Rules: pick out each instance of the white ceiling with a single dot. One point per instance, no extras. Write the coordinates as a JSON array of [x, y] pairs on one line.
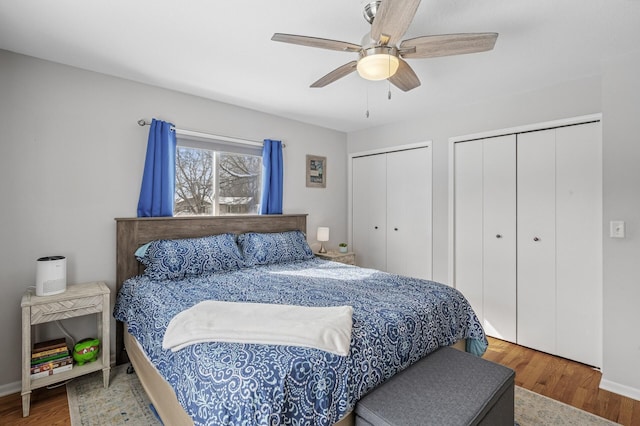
[[222, 49]]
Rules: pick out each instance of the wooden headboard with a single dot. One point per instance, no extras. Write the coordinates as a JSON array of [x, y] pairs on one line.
[[131, 233]]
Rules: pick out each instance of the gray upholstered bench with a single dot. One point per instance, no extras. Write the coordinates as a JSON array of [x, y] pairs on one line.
[[448, 387]]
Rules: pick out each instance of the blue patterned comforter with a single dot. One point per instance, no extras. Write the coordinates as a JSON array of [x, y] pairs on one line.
[[396, 321]]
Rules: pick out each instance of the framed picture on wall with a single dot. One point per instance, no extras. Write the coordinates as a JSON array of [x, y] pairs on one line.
[[316, 171]]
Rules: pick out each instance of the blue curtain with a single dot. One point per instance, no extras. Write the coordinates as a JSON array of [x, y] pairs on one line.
[[159, 178], [271, 177]]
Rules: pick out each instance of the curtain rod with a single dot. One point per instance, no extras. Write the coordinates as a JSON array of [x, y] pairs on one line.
[[184, 132]]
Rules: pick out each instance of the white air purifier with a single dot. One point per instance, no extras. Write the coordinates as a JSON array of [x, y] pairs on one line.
[[51, 275]]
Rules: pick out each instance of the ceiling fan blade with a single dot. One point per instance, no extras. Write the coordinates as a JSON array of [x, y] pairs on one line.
[[448, 44], [392, 20], [405, 78], [321, 43], [336, 74]]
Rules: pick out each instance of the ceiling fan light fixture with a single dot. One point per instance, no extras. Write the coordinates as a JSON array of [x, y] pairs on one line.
[[383, 52], [378, 63]]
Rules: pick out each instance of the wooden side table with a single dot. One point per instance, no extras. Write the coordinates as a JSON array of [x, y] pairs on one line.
[[347, 258], [77, 300]]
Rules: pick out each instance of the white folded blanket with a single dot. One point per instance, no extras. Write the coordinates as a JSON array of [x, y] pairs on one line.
[[326, 328]]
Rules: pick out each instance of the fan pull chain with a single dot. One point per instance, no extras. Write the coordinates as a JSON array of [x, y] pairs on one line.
[[366, 114], [389, 73]]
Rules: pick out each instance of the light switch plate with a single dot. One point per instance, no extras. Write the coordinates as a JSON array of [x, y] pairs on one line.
[[616, 229]]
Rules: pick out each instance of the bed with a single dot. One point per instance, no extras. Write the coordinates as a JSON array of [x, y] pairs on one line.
[[249, 383]]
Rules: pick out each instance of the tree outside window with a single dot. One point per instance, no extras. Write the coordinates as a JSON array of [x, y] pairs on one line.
[[216, 183]]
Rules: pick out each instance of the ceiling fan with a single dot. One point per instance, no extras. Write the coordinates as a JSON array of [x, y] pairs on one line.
[[380, 55]]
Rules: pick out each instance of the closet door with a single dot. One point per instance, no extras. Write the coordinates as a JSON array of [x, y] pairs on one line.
[[409, 212], [369, 201], [536, 240], [468, 223], [499, 237], [579, 243], [485, 231]]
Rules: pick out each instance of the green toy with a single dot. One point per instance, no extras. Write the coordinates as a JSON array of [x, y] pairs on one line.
[[86, 350]]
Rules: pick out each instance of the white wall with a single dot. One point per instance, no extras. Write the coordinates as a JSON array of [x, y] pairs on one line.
[[621, 167], [71, 161], [617, 95]]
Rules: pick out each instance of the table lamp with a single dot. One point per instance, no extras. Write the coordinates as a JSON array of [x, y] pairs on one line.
[[323, 236]]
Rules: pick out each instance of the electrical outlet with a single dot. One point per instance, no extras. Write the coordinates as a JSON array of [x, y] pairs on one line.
[[616, 229]]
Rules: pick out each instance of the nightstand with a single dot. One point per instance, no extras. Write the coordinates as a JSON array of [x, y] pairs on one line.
[[77, 300], [348, 258]]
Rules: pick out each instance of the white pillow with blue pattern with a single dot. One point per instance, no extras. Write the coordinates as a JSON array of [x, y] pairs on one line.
[[277, 247], [176, 259]]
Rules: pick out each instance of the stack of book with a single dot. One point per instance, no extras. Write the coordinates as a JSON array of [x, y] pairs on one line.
[[50, 357]]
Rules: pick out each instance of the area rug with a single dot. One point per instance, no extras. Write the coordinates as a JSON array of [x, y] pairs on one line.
[[532, 409], [126, 403]]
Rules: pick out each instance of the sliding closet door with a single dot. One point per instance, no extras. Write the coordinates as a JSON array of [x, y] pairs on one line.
[[409, 212], [536, 240], [369, 195], [579, 242], [499, 237]]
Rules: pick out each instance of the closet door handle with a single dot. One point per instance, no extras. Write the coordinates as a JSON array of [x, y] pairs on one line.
[[536, 239], [375, 227], [498, 235], [395, 229]]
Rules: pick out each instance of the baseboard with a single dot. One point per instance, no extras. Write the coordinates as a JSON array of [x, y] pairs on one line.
[[10, 388], [624, 390]]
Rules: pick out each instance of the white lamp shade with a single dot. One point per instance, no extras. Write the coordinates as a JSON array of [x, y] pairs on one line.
[[323, 233], [378, 67]]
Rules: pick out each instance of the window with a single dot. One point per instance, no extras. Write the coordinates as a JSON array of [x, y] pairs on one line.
[[217, 178]]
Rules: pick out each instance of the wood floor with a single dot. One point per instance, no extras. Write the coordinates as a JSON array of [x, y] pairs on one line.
[[567, 381], [49, 407], [563, 380]]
